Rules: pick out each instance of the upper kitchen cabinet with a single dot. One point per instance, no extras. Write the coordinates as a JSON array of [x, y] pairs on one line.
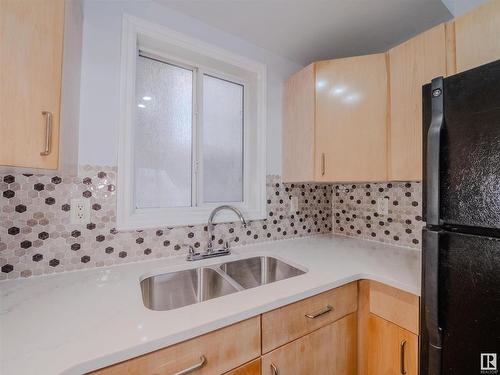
[[298, 126], [334, 125], [351, 119], [35, 38], [412, 64], [477, 35]]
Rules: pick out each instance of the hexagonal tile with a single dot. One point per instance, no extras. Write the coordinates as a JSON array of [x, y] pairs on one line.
[[25, 244], [122, 254], [65, 207], [9, 194], [96, 206], [54, 262], [50, 201], [109, 250], [87, 194], [39, 186], [37, 257], [9, 179], [76, 246], [7, 268], [56, 180], [13, 231], [43, 235], [76, 233], [20, 208]]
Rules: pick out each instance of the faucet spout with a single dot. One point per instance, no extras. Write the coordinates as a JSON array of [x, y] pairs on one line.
[[210, 225]]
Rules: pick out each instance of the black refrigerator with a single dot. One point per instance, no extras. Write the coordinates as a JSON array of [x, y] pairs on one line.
[[460, 306]]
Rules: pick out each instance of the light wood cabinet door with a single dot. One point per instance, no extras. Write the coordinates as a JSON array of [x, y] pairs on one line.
[[298, 126], [251, 368], [477, 36], [329, 350], [31, 47], [214, 353], [390, 349], [351, 119], [412, 64]]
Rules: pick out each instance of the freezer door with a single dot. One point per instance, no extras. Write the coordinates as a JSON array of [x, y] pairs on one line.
[[467, 154], [468, 303]]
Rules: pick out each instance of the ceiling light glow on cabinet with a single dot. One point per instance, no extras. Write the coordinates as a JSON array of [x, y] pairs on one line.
[[146, 98], [337, 90], [140, 105]]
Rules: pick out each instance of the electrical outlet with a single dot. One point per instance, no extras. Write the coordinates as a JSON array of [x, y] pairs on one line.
[[383, 206], [294, 205], [80, 211]]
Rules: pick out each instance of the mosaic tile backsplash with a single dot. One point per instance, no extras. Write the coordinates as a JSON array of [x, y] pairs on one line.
[[355, 212], [36, 236]]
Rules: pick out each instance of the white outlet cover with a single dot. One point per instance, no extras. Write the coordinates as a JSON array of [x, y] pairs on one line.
[[383, 206], [80, 211], [294, 205]]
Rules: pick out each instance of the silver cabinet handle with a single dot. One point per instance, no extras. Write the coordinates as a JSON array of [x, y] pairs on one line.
[[324, 311], [274, 369], [402, 357], [194, 367], [48, 133], [323, 164]]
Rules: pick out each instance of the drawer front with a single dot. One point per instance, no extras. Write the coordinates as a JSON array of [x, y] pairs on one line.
[[214, 353], [395, 305], [298, 319], [330, 350]]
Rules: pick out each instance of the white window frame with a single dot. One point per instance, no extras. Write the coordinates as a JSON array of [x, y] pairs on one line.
[[162, 43]]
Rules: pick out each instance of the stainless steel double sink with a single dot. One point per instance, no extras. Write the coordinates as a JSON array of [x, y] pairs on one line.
[[176, 289]]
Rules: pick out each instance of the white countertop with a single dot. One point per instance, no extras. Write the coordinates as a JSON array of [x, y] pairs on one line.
[[75, 322]]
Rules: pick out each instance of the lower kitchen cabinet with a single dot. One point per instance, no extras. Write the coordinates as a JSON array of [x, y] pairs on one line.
[[252, 368], [213, 353], [328, 350], [390, 349], [363, 327]]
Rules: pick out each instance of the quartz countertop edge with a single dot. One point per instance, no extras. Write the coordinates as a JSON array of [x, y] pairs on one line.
[[77, 322]]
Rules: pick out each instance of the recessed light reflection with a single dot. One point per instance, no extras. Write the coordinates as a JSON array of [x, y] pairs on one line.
[[146, 98], [320, 84], [352, 98], [337, 90], [141, 105]]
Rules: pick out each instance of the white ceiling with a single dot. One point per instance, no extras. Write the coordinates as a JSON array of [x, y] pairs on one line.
[[310, 30]]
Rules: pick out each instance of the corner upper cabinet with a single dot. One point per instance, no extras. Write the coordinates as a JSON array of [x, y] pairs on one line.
[[32, 49], [477, 36], [335, 121], [412, 64]]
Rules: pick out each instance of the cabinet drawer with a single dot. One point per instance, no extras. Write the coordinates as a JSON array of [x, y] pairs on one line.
[[330, 350], [222, 350], [395, 305], [298, 319]]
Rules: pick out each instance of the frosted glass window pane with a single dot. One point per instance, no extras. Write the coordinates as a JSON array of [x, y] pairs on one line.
[[163, 135], [222, 140]]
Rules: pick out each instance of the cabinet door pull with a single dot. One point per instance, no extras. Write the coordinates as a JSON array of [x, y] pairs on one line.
[[194, 367], [48, 133], [323, 164], [324, 311], [402, 357], [274, 369]]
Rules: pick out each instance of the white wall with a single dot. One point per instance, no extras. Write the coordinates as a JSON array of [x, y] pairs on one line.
[[100, 80], [459, 7]]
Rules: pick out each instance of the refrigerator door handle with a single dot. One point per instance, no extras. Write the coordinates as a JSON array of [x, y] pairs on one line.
[[433, 151], [431, 300]]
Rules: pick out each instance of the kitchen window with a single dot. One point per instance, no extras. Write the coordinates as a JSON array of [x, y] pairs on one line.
[[194, 134]]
